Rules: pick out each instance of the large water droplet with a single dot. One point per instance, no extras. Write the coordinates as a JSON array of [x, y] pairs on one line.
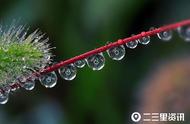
[[4, 97], [68, 72], [80, 63], [29, 85], [165, 35], [132, 44], [184, 32], [49, 80], [96, 62], [117, 53], [144, 40]]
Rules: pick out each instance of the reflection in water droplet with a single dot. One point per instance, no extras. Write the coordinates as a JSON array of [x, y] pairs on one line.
[[144, 40], [80, 63], [165, 35], [184, 32], [29, 85], [49, 80], [117, 53], [96, 62], [68, 72], [132, 44], [4, 97]]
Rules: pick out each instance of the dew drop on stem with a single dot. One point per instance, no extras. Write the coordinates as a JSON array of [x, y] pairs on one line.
[[144, 40], [29, 85], [4, 97], [80, 63], [49, 80], [68, 72], [132, 44], [184, 32], [116, 53], [165, 35], [96, 62]]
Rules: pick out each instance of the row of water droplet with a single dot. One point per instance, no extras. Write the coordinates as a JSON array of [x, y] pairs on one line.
[[95, 62]]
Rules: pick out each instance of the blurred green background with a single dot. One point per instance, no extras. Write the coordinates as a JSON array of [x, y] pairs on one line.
[[137, 83]]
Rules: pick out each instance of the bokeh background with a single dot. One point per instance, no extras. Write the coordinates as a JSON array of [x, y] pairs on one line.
[[152, 78]]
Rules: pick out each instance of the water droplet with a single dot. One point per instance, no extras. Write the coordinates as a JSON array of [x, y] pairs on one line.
[[29, 85], [117, 53], [184, 32], [68, 72], [80, 63], [47, 57], [132, 44], [4, 97], [144, 40], [165, 35], [96, 62], [49, 80]]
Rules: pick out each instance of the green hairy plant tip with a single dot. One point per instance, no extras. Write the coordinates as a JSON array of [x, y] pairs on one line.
[[21, 54]]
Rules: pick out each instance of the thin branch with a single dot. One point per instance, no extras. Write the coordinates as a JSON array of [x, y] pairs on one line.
[[108, 46]]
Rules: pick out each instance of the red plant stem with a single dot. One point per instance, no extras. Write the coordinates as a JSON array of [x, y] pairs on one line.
[[106, 47], [115, 44]]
